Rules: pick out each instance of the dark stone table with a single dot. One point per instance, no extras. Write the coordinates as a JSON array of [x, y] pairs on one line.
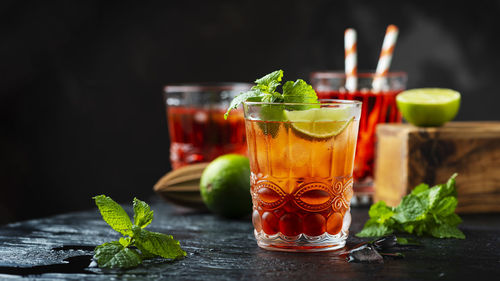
[[60, 247]]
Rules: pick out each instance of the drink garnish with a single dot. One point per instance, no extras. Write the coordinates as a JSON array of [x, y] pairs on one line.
[[266, 91], [137, 244], [292, 105], [317, 122], [425, 211]]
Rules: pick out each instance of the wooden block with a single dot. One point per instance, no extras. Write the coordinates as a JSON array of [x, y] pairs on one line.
[[407, 156]]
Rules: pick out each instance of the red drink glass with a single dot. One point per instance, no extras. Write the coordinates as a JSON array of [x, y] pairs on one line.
[[198, 131], [379, 106]]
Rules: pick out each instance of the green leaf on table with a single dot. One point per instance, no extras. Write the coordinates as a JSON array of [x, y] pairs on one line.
[[447, 231], [407, 241], [372, 229], [138, 244], [125, 241], [419, 189], [451, 219], [380, 212], [445, 206], [114, 254], [411, 208], [114, 214], [425, 211], [143, 215], [159, 244], [434, 195], [448, 189]]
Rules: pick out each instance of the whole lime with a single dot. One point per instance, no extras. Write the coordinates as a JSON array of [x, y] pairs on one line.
[[225, 186]]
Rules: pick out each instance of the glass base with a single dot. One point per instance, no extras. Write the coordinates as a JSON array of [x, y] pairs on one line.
[[302, 242]]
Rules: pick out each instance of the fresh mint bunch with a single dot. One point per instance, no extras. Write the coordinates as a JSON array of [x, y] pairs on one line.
[[265, 90], [137, 244], [425, 211]]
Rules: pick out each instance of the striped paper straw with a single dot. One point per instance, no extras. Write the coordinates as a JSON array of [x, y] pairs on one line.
[[384, 61], [351, 60]]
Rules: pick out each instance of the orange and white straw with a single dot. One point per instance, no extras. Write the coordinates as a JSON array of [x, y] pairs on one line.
[[384, 61], [351, 59]]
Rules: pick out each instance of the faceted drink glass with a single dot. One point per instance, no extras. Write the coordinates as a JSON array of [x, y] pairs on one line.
[[379, 106], [301, 185], [198, 131]]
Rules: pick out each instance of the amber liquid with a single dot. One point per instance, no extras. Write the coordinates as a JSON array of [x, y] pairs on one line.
[[377, 108], [200, 135], [301, 187]]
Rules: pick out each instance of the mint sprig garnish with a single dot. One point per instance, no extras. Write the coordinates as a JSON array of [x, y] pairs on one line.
[[266, 91], [425, 211], [137, 244]]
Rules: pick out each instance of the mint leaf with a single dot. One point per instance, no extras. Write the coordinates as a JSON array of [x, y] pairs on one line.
[[451, 219], [139, 244], [142, 213], [372, 229], [125, 241], [145, 254], [448, 189], [270, 81], [113, 214], [434, 195], [273, 116], [379, 222], [299, 92], [446, 206], [407, 241], [419, 189], [411, 208], [265, 90], [159, 244], [114, 254], [425, 211], [447, 231], [380, 212], [239, 99]]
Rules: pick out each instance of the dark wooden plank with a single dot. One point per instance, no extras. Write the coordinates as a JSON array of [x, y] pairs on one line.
[[220, 249]]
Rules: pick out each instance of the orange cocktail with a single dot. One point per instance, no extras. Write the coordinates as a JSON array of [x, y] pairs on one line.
[[301, 161]]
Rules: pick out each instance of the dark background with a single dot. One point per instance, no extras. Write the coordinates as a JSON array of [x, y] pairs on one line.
[[81, 82]]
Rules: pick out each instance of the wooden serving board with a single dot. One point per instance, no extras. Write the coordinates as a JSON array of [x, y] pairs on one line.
[[407, 156]]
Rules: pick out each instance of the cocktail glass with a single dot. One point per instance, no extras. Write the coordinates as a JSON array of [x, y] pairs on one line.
[[379, 106], [198, 131], [301, 183]]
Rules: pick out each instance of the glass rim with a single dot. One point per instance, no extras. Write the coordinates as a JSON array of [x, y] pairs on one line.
[[206, 86], [361, 74], [322, 102]]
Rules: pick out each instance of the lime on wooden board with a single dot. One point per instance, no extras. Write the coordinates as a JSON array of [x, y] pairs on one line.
[[428, 107]]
